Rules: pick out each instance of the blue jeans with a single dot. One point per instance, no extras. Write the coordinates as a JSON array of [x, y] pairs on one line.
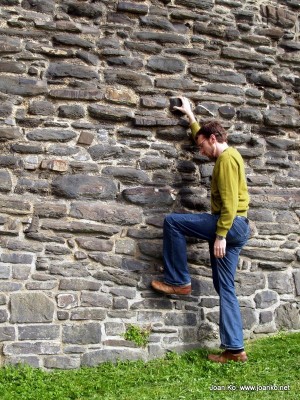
[[203, 226]]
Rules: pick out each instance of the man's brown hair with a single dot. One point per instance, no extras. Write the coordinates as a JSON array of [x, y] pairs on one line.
[[212, 128]]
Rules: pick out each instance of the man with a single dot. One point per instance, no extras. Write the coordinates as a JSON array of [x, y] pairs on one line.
[[226, 229]]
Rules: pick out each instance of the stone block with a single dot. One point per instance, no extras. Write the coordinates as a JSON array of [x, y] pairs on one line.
[[180, 319], [89, 333], [55, 165], [31, 162], [266, 298], [16, 258], [21, 272], [280, 282], [93, 358], [3, 315], [114, 328], [83, 186], [91, 11], [296, 275], [38, 332], [4, 271], [78, 284], [67, 300], [41, 108], [266, 317], [22, 86], [88, 314], [109, 214], [124, 292], [287, 317], [127, 6], [86, 138], [7, 334], [62, 362], [110, 113], [9, 133], [33, 361], [92, 299], [31, 307], [120, 303], [24, 348]]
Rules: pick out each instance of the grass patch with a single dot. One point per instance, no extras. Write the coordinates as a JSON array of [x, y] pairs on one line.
[[272, 361]]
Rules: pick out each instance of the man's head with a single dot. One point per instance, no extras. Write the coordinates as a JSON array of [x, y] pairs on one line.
[[211, 139]]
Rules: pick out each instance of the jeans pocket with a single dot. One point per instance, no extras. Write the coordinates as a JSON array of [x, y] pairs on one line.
[[239, 232]]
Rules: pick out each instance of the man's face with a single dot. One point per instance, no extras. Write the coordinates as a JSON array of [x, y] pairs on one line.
[[206, 146]]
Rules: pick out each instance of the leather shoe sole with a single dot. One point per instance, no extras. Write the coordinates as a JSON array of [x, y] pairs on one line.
[[165, 288], [228, 356]]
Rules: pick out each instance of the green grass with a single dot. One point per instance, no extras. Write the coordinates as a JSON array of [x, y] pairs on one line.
[[272, 361]]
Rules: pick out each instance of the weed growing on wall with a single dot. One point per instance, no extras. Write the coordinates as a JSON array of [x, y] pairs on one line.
[[138, 335]]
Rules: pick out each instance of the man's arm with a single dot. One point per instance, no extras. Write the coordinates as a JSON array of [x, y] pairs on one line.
[[187, 110]]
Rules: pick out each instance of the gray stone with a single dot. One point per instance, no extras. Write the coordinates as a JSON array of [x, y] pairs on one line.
[[101, 212], [31, 308], [265, 299], [297, 282], [3, 316], [39, 332], [72, 40], [16, 258], [51, 135], [148, 196], [91, 11], [39, 348], [42, 6], [114, 328], [7, 334], [89, 299], [22, 86], [169, 65], [280, 282], [127, 78], [134, 8], [95, 357], [77, 94], [41, 108], [266, 317], [83, 186], [90, 314], [181, 319], [62, 70], [217, 75], [62, 362], [89, 333], [9, 133], [248, 283], [78, 284], [287, 317], [5, 181], [71, 111], [109, 113]]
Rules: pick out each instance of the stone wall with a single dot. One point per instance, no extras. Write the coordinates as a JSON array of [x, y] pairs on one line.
[[92, 159]]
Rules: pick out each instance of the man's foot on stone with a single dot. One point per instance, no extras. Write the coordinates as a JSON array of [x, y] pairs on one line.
[[165, 288]]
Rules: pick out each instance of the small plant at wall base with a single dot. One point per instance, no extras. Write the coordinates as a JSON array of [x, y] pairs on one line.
[[138, 335]]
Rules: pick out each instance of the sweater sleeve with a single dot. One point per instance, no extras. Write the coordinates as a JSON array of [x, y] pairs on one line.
[[228, 189], [194, 128]]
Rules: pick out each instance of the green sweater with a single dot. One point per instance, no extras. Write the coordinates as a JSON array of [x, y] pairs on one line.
[[229, 193]]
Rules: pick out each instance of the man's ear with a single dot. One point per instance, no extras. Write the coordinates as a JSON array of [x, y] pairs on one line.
[[212, 139]]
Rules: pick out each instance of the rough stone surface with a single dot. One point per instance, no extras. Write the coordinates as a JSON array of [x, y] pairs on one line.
[[31, 307], [93, 158]]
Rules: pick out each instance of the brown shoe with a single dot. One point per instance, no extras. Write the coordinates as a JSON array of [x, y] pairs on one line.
[[228, 356], [165, 288]]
